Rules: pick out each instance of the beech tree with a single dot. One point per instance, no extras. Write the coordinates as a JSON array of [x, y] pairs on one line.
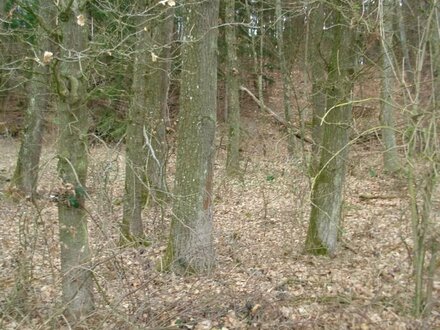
[[328, 183], [190, 247]]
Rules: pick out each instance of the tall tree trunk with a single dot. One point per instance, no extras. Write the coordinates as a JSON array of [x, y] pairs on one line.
[[258, 72], [435, 55], [287, 92], [423, 181], [391, 157], [156, 103], [326, 200], [77, 284], [316, 46], [146, 147], [190, 247], [232, 91], [136, 189], [404, 44], [25, 176]]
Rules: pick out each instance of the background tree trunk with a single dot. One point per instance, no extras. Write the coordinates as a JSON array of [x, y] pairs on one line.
[[232, 91], [316, 46], [146, 147], [190, 247], [25, 176], [136, 189], [157, 86], [328, 183], [391, 157], [287, 88], [77, 285], [257, 62]]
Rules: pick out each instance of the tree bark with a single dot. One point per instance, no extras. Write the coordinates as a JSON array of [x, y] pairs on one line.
[[316, 47], [232, 91], [136, 189], [286, 77], [258, 72], [328, 183], [146, 147], [157, 81], [25, 176], [390, 156], [190, 247], [77, 284]]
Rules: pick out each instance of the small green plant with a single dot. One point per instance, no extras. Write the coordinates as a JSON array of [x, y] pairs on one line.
[[372, 172], [270, 178]]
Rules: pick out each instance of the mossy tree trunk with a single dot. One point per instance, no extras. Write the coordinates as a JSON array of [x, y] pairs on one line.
[[190, 247], [145, 140], [25, 176], [387, 8], [77, 284], [326, 198], [232, 91]]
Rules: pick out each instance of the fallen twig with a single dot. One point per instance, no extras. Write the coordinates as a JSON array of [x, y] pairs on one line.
[[277, 117]]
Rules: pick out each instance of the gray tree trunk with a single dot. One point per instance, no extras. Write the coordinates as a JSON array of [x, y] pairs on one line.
[[190, 247], [232, 91], [146, 147], [326, 200], [390, 156], [77, 284], [25, 176], [258, 72], [316, 45], [136, 189], [404, 44], [156, 103], [287, 88], [423, 181]]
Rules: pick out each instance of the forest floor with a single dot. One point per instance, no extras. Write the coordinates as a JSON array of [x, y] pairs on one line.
[[262, 279]]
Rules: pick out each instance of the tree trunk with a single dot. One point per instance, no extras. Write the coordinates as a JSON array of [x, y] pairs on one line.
[[136, 189], [391, 157], [232, 91], [77, 285], [316, 45], [404, 44], [25, 176], [422, 182], [286, 78], [258, 72], [328, 183], [190, 247], [157, 86], [146, 147]]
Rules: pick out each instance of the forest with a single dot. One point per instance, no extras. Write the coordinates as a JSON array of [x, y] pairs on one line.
[[219, 164]]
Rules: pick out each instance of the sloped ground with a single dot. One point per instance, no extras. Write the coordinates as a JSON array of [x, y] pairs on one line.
[[262, 281]]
